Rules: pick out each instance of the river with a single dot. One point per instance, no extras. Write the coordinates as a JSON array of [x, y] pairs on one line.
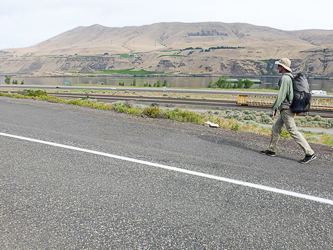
[[172, 81]]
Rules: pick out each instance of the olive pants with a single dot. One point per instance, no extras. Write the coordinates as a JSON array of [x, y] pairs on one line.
[[287, 118]]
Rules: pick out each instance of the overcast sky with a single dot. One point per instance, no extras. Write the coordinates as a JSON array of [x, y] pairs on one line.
[[25, 23]]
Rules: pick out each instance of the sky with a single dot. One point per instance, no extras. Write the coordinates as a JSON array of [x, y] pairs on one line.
[[25, 23]]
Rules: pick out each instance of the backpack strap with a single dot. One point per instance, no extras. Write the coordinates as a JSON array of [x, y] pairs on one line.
[[292, 82]]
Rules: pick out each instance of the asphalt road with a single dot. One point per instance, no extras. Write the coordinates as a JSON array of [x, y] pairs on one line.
[[53, 197]]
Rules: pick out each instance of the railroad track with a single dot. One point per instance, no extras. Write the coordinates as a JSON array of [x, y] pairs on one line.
[[143, 99], [210, 104], [177, 101]]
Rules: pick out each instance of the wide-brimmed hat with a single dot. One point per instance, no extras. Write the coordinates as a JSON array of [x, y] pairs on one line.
[[285, 63]]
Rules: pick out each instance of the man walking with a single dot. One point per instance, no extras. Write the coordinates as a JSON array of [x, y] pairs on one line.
[[286, 117]]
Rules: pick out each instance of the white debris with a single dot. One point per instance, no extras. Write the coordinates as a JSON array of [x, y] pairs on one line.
[[210, 124]]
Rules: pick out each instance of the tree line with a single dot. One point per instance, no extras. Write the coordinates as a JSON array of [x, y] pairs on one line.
[[225, 83], [8, 80]]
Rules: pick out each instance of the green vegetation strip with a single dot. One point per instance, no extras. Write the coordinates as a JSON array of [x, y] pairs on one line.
[[125, 55], [122, 71], [232, 119], [129, 71], [171, 55]]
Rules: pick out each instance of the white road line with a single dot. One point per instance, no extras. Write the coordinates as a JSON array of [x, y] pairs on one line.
[[185, 171]]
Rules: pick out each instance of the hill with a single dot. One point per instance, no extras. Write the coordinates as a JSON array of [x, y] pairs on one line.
[[192, 48]]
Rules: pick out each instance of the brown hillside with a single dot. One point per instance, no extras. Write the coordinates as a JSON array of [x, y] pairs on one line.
[[161, 47], [316, 37]]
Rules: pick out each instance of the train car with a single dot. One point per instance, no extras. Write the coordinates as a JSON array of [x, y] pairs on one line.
[[319, 103]]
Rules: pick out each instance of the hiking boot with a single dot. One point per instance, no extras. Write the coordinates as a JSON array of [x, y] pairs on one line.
[[267, 152], [308, 158]]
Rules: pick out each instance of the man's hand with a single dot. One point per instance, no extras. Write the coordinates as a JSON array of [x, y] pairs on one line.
[[272, 113]]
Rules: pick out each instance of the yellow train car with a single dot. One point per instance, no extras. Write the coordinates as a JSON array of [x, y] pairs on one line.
[[268, 100]]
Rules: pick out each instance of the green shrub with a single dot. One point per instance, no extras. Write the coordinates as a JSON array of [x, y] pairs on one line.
[[328, 123], [240, 84], [303, 121], [7, 80], [328, 141], [117, 103], [317, 118], [100, 105], [211, 85], [313, 138], [134, 111], [285, 134], [252, 123], [253, 117], [153, 112], [35, 92], [315, 124], [124, 107], [308, 118], [185, 116], [265, 119], [17, 95], [120, 108], [42, 97], [235, 127], [75, 102], [247, 83], [222, 82], [139, 106], [157, 84]]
